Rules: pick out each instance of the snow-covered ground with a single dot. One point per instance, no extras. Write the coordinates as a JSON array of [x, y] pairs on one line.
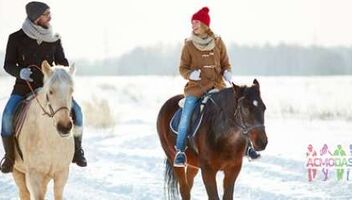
[[126, 160]]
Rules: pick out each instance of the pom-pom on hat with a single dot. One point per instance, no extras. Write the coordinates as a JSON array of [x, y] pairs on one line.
[[202, 15]]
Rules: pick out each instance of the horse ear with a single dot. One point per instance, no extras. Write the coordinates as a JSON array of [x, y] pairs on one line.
[[255, 82], [236, 88], [46, 68], [72, 70]]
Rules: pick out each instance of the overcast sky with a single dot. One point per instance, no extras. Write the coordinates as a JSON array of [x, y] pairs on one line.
[[105, 28]]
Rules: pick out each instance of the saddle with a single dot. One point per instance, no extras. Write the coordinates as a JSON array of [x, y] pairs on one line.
[[196, 118], [18, 120]]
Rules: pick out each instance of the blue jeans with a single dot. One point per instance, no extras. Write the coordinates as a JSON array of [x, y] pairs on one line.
[[10, 108], [77, 115], [185, 121], [7, 115]]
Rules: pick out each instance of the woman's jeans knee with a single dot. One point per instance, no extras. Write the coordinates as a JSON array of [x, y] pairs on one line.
[[8, 114], [183, 127], [77, 115]]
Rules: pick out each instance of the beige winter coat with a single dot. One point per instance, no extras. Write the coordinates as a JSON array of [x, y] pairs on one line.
[[212, 64]]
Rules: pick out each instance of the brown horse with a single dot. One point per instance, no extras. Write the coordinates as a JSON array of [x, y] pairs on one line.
[[233, 118]]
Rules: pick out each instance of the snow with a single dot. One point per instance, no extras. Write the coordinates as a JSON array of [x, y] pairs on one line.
[[125, 159]]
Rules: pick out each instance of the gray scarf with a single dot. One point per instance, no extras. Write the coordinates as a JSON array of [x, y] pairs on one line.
[[203, 44], [39, 33]]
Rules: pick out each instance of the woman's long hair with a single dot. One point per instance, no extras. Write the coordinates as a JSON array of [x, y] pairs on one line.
[[207, 29]]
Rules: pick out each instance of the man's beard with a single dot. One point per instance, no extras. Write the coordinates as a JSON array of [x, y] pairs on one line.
[[46, 26]]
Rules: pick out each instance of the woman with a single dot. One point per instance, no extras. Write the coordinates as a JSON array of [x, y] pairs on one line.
[[205, 64]]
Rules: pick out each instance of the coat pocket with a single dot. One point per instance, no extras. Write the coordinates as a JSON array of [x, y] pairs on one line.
[[208, 72]]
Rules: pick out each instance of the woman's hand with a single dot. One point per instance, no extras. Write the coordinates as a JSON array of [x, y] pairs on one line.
[[228, 75], [195, 75]]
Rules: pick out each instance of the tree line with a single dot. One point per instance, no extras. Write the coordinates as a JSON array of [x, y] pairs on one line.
[[266, 59]]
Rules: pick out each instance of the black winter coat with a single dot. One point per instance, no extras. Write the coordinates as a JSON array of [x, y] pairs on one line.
[[23, 51]]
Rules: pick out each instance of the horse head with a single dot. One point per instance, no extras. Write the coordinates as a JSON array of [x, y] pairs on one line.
[[249, 114], [58, 89]]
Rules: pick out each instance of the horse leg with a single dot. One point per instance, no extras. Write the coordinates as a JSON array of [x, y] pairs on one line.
[[191, 173], [20, 181], [229, 181], [182, 180], [36, 183], [60, 180], [209, 180]]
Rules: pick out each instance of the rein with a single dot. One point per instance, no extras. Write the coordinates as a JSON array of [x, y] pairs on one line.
[[51, 112]]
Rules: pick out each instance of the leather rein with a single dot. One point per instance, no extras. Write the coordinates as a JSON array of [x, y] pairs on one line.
[[51, 112]]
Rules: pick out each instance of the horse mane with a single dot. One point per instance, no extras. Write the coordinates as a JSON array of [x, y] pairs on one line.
[[60, 75], [218, 116]]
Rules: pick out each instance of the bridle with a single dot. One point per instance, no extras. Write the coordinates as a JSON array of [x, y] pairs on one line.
[[51, 112], [240, 120]]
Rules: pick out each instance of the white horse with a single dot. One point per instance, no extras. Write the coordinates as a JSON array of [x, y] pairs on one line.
[[46, 138]]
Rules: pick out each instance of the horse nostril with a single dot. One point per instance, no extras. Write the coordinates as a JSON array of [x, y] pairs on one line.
[[64, 128], [69, 126], [263, 144], [60, 127]]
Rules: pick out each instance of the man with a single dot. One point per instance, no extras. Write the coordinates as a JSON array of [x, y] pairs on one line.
[[31, 45]]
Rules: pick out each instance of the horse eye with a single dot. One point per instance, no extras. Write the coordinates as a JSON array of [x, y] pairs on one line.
[[50, 92]]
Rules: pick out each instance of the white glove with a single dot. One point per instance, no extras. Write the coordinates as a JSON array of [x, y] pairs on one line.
[[228, 75], [25, 74], [195, 75]]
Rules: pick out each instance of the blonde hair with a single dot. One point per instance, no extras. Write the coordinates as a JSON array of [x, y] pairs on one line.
[[207, 30]]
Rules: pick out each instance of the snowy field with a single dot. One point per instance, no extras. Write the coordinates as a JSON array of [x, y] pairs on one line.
[[125, 160]]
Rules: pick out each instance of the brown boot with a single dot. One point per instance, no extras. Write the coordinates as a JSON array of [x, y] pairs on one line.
[[9, 158]]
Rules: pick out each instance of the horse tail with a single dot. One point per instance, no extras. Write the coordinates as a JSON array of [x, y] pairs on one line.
[[170, 182]]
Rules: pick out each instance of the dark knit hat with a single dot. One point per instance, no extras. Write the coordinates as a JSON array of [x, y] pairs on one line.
[[202, 15], [34, 9]]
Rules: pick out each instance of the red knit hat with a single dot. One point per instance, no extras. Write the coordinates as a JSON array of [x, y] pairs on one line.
[[202, 15]]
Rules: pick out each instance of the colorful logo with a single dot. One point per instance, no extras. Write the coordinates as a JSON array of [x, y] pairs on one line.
[[338, 161]]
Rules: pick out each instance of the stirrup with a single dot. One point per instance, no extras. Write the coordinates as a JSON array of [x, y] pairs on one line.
[[180, 153], [255, 157], [3, 161]]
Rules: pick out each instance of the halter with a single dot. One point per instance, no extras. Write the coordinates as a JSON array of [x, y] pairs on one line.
[[51, 112]]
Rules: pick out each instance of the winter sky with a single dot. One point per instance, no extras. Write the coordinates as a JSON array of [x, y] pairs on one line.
[[106, 28]]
